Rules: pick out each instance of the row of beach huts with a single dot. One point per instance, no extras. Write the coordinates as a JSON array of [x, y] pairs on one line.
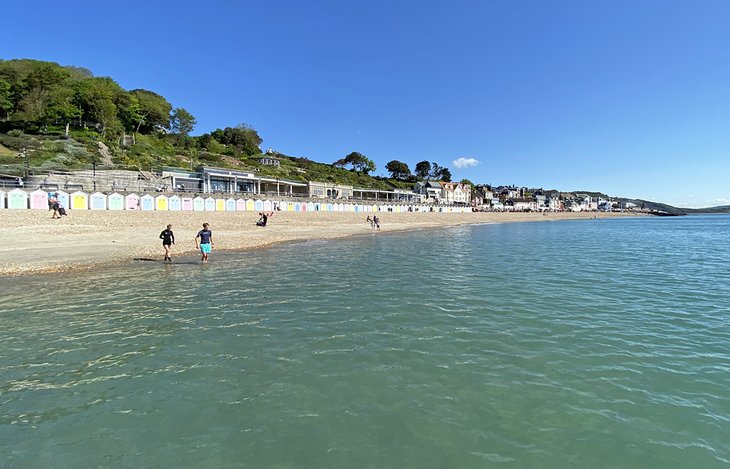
[[38, 199]]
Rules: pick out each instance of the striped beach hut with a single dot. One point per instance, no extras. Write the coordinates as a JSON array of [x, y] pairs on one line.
[[250, 205], [131, 201], [115, 201], [186, 204], [162, 203], [97, 201], [79, 201], [220, 205], [17, 199], [147, 202], [173, 203], [209, 204], [241, 205], [39, 200], [198, 204]]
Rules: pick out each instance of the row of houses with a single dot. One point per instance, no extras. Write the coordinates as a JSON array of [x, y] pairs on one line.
[[522, 199]]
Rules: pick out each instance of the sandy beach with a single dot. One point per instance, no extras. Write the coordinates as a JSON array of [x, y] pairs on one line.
[[35, 243]]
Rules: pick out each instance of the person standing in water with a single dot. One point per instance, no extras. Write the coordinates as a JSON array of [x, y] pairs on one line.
[[168, 239], [204, 242]]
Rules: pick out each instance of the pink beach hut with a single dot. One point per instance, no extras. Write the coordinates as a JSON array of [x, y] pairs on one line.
[[147, 203], [115, 201], [131, 201], [18, 199], [39, 200], [198, 204], [241, 205], [79, 201], [173, 203], [97, 201], [162, 203], [186, 204]]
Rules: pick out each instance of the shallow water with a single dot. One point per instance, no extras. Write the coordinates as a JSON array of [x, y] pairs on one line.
[[598, 343]]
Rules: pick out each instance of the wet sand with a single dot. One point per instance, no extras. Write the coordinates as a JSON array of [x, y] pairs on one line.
[[35, 243]]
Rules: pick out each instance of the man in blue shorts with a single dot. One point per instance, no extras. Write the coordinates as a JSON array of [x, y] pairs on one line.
[[204, 242]]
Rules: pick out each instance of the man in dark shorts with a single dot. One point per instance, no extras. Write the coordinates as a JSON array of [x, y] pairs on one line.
[[206, 242], [168, 239]]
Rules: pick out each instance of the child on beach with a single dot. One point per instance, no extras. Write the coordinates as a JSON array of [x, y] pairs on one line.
[[168, 239], [206, 242]]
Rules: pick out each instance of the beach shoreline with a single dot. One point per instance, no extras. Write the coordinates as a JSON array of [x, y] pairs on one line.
[[36, 244]]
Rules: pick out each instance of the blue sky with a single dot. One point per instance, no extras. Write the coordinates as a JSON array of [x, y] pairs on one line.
[[631, 98]]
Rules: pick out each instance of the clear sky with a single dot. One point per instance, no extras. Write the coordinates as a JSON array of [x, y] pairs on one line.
[[631, 98]]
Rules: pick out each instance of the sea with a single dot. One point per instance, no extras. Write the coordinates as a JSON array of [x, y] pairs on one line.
[[601, 343]]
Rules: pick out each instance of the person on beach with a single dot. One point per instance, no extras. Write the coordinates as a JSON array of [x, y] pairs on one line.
[[370, 221], [168, 239], [204, 242], [376, 222], [264, 218], [55, 206]]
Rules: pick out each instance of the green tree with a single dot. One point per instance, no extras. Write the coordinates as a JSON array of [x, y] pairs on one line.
[[153, 111], [6, 102], [36, 89], [423, 169], [358, 161], [96, 98], [243, 137], [182, 122], [398, 169], [466, 181]]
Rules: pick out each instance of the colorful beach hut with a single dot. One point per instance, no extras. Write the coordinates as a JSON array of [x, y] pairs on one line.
[[147, 202], [241, 205], [250, 205], [220, 205], [17, 199], [162, 203], [186, 204], [267, 205], [79, 201], [39, 200], [131, 201], [198, 204], [115, 201], [230, 205], [97, 201], [258, 205], [173, 203], [209, 204]]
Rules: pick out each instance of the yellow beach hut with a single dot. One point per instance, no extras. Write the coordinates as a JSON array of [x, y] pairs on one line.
[[250, 205], [162, 203], [220, 205], [79, 201]]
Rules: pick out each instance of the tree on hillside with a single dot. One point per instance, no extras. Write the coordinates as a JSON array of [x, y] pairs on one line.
[[358, 161], [440, 173], [398, 169], [153, 110], [34, 91], [243, 137], [445, 175], [182, 122], [466, 181], [423, 169], [96, 97], [6, 102]]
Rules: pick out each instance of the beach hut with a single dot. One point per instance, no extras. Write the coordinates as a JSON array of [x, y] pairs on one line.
[[186, 204], [198, 204], [131, 201], [297, 206], [209, 204], [18, 198], [230, 205], [173, 203], [250, 205], [258, 205], [267, 205], [283, 206], [97, 201], [147, 202], [39, 200], [162, 203], [79, 201], [115, 201], [329, 208], [2, 199], [241, 205], [220, 205]]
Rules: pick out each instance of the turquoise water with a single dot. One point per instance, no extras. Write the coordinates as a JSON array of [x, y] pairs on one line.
[[600, 343]]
